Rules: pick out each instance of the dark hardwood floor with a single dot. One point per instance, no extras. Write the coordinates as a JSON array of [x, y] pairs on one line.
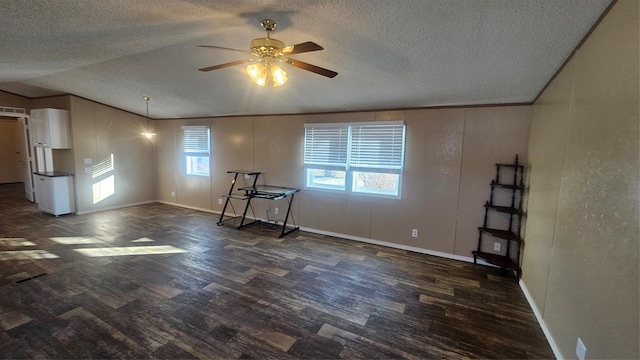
[[157, 281]]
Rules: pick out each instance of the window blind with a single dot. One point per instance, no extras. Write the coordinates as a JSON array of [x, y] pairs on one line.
[[196, 140], [377, 145], [326, 144]]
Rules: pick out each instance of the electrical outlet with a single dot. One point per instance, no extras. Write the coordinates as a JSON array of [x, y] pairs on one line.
[[497, 246], [220, 201], [581, 350], [414, 233], [173, 194], [276, 211]]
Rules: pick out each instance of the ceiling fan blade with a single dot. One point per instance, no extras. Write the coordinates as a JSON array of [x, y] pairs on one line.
[[302, 48], [224, 48], [315, 69], [220, 66]]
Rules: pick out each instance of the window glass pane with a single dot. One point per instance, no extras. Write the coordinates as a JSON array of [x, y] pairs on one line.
[[375, 183], [326, 179], [197, 165]]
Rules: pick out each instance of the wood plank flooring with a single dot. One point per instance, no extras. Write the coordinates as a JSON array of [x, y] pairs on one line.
[[157, 281]]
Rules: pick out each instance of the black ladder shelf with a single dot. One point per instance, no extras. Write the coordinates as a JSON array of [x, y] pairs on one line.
[[507, 233]]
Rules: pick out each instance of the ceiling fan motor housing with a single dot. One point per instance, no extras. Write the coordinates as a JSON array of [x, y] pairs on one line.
[[262, 47]]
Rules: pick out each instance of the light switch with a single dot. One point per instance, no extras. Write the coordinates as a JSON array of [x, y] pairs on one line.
[[87, 170], [87, 161]]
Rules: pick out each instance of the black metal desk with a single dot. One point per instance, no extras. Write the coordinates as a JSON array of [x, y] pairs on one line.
[[253, 191], [269, 192]]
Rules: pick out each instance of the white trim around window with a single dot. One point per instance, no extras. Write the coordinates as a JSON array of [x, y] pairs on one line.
[[196, 147]]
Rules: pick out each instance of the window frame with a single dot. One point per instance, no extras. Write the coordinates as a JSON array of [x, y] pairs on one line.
[[366, 159], [193, 149]]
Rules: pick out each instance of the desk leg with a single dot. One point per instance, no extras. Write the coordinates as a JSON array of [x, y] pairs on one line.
[[244, 214], [224, 208], [286, 219]]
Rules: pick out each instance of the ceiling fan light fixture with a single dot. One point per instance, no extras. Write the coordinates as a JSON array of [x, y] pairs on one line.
[[279, 76], [264, 73], [266, 52]]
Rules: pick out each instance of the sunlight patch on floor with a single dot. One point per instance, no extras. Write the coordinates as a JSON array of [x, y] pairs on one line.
[[130, 250], [27, 255], [15, 242], [76, 240]]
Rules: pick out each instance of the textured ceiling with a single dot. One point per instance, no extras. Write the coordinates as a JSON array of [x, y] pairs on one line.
[[388, 53]]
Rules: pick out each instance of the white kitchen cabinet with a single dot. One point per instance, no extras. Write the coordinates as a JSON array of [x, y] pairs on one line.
[[50, 128], [54, 193]]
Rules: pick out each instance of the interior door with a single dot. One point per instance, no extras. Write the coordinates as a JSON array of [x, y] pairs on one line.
[[26, 159], [10, 151]]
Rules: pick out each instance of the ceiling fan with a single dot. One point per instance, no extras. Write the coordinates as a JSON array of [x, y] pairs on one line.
[[267, 53]]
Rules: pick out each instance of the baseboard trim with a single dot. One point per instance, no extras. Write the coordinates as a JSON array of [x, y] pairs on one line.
[[114, 207], [351, 237], [188, 207], [391, 245], [357, 238], [543, 325]]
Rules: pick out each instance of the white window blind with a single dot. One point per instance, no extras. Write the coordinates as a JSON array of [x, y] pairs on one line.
[[326, 144], [196, 140], [378, 145]]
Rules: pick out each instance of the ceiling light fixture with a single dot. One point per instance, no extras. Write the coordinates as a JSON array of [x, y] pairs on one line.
[[148, 133], [265, 73]]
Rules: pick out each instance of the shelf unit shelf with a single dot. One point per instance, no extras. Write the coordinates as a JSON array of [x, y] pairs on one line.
[[504, 209], [495, 259], [507, 259], [500, 233]]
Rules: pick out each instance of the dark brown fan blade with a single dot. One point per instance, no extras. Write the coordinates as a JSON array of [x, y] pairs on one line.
[[224, 48], [216, 67], [302, 48], [315, 69]]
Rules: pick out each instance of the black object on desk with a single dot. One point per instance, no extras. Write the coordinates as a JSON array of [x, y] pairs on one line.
[[254, 191]]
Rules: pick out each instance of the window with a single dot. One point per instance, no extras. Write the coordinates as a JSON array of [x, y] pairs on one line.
[[197, 148], [366, 158]]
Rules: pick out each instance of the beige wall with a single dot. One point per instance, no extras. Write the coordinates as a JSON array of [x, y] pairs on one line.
[[7, 99], [581, 259], [450, 158], [98, 132]]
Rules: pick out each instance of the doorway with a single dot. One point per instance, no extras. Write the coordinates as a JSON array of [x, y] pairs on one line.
[[10, 151], [16, 160]]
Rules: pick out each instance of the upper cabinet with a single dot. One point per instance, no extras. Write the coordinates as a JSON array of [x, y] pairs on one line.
[[50, 128]]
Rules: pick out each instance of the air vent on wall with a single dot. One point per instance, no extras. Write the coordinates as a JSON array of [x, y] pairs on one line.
[[12, 111]]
